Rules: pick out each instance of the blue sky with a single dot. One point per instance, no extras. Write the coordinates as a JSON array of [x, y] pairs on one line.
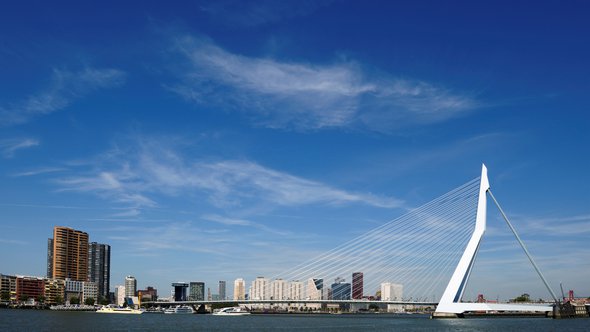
[[216, 140]]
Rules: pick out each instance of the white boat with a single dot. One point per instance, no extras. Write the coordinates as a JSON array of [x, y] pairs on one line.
[[117, 310], [232, 311], [181, 309]]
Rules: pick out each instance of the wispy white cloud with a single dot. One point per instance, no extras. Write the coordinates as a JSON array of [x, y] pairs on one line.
[[65, 87], [135, 178], [558, 226], [40, 171], [307, 96], [47, 206], [8, 147], [241, 222], [131, 212]]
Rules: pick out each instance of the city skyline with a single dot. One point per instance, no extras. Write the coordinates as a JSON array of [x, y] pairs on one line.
[[207, 141]]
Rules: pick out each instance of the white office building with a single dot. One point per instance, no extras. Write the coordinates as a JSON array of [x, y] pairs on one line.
[[391, 291], [120, 295]]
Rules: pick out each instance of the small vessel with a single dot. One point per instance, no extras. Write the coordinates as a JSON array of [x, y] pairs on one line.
[[232, 311], [118, 310], [62, 307], [181, 309]]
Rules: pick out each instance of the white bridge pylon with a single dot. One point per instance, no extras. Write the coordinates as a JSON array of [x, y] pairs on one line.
[[450, 302]]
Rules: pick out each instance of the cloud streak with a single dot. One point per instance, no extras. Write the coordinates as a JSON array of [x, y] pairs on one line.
[[241, 222], [65, 87], [305, 96], [155, 169], [8, 147], [40, 171]]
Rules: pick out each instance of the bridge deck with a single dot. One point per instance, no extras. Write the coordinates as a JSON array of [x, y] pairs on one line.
[[293, 301]]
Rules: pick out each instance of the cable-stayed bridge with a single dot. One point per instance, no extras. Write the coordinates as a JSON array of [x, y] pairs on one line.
[[425, 257]]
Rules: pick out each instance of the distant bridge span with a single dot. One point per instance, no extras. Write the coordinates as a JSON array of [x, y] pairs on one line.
[[246, 302]]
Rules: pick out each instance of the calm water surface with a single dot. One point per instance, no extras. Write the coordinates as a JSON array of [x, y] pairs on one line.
[[33, 320]]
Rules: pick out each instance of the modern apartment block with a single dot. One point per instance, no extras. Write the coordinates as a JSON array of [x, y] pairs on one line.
[[239, 289], [279, 289], [130, 286], [260, 289], [7, 287], [99, 267], [29, 288], [54, 291], [67, 254], [357, 285], [221, 292], [196, 291]]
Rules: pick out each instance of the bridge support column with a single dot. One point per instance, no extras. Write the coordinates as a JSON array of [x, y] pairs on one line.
[[436, 315]]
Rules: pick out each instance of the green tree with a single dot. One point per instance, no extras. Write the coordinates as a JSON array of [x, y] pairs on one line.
[[104, 301], [74, 300], [5, 296], [59, 300], [89, 301], [523, 298], [373, 307], [40, 299]]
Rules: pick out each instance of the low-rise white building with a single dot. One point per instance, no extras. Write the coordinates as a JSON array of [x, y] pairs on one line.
[[392, 292], [89, 291]]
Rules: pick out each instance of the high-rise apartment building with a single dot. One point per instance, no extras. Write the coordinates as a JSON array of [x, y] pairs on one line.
[[221, 290], [50, 258], [196, 291], [130, 286], [260, 289], [278, 289], [296, 290], [239, 289], [357, 285], [67, 254], [99, 267]]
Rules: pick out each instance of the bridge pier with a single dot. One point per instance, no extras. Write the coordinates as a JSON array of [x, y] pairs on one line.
[[437, 315]]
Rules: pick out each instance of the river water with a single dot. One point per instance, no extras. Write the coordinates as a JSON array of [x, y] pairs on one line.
[[45, 320]]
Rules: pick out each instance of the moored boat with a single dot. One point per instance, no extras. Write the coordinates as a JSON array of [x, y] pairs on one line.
[[117, 310], [181, 309]]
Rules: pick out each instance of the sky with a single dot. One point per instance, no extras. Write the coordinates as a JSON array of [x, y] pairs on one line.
[[215, 140]]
